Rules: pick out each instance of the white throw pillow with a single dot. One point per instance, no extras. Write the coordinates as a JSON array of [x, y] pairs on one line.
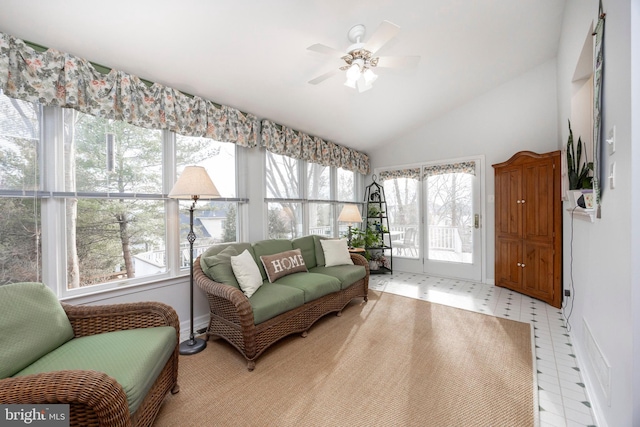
[[335, 252], [246, 271]]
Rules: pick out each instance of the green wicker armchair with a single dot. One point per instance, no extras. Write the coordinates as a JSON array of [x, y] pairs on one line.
[[113, 364]]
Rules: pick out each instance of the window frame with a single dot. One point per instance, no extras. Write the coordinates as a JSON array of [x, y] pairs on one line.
[[303, 184]]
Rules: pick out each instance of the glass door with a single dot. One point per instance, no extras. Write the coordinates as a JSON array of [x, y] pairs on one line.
[[452, 221]]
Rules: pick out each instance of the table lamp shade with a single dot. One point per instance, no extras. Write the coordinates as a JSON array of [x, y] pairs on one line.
[[194, 181], [350, 213]]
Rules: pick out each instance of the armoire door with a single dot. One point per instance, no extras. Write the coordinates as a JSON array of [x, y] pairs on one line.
[[529, 225]]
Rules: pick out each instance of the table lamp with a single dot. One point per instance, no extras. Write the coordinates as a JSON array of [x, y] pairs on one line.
[[350, 213]]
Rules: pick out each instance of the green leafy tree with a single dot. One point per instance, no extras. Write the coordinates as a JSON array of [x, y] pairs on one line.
[[230, 233], [277, 227]]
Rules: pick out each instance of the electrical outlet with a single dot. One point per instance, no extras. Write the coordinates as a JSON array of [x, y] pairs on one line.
[[567, 293]]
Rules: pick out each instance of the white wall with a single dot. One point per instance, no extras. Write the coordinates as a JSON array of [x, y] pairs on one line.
[[635, 205], [519, 115], [603, 296]]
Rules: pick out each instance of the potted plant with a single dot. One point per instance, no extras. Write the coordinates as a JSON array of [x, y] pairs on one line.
[[366, 238], [578, 169]]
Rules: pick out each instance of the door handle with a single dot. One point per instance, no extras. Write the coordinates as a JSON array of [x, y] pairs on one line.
[[476, 221]]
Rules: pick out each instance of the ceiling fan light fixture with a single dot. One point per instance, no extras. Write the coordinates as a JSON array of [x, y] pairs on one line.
[[363, 85], [369, 76], [353, 73], [350, 83]]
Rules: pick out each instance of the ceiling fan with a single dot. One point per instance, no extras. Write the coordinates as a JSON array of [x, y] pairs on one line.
[[360, 59]]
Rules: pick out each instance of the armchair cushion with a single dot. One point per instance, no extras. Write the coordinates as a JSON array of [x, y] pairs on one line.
[[134, 358], [33, 324]]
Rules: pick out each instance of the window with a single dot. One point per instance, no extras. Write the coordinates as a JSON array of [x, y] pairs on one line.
[[20, 243], [94, 190], [401, 189], [115, 227], [305, 203], [214, 221]]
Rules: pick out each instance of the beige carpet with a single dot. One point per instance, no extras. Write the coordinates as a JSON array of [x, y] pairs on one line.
[[393, 361]]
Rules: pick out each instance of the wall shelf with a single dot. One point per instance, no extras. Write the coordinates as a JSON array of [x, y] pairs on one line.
[[583, 214]]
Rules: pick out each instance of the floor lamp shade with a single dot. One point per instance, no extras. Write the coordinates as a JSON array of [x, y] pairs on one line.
[[193, 183]]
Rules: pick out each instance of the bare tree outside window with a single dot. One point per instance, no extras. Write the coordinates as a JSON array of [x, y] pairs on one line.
[[450, 216], [403, 212]]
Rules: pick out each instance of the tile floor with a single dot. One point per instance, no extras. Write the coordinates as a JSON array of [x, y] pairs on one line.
[[562, 398]]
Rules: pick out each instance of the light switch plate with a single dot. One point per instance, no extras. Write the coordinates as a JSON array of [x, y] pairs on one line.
[[611, 140]]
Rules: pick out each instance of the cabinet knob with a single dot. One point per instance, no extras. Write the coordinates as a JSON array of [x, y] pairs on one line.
[[518, 201], [522, 201], [519, 264], [522, 265]]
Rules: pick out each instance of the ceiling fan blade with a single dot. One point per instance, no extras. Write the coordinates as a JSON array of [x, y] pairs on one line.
[[398, 61], [326, 50], [322, 77], [385, 32]]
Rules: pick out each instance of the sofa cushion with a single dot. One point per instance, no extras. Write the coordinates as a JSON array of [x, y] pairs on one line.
[[247, 273], [347, 274], [134, 358], [218, 267], [336, 252], [269, 247], [282, 264], [272, 299], [313, 285], [307, 246], [219, 247], [33, 323]]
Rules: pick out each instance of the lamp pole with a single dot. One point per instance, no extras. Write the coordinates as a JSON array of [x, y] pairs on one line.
[[192, 345]]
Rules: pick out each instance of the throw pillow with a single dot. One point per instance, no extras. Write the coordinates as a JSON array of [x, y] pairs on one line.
[[336, 252], [218, 266], [283, 263], [246, 271]]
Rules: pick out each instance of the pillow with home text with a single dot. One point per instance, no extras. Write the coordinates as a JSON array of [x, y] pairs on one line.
[[283, 263]]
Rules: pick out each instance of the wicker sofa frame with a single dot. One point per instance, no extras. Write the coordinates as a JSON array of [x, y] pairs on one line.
[[231, 315], [94, 398]]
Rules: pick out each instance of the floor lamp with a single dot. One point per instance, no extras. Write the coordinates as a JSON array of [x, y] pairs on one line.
[[350, 214], [194, 183]]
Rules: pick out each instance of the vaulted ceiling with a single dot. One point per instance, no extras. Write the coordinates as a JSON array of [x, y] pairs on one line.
[[253, 55]]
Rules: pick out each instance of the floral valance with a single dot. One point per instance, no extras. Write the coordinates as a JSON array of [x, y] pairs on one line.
[[288, 142], [462, 167], [411, 173], [58, 79]]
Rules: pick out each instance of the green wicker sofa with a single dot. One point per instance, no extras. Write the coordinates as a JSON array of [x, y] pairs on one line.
[[291, 304], [112, 364]]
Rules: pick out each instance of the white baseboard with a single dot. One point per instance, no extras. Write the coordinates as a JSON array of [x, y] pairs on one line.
[[590, 383], [198, 323]]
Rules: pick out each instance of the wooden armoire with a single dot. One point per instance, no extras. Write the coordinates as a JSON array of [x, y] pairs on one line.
[[528, 208]]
